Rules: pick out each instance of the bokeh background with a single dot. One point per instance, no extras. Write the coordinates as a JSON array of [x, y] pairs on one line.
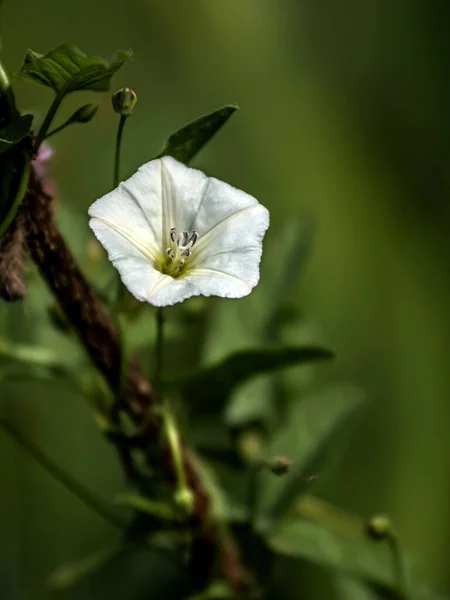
[[344, 119]]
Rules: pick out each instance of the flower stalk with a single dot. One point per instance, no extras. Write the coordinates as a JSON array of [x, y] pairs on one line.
[[46, 124]]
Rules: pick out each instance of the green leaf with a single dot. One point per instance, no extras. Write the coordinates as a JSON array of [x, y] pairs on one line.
[[281, 270], [190, 139], [31, 356], [14, 132], [312, 437], [136, 572], [351, 553], [68, 575], [67, 69], [208, 389]]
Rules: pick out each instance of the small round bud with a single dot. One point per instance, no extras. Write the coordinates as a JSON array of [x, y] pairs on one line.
[[379, 527], [124, 101], [184, 499], [279, 465]]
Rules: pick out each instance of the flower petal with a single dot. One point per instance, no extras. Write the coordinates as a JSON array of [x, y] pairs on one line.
[[233, 252], [135, 208], [136, 271], [222, 203], [185, 188]]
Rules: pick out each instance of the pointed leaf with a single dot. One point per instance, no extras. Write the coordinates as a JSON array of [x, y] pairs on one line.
[[312, 437], [14, 132], [281, 269], [190, 139], [354, 554], [208, 389], [67, 69]]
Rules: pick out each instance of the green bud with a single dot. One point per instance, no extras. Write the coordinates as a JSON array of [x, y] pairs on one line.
[[184, 499], [379, 527], [124, 101], [279, 465], [84, 114]]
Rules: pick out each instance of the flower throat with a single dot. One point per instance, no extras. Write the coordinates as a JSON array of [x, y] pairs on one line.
[[178, 253]]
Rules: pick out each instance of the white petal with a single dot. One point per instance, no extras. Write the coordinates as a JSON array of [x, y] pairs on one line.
[[185, 189], [231, 259], [135, 208], [136, 271], [221, 204]]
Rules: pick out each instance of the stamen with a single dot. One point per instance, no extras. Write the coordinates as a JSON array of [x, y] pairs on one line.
[[182, 240], [193, 238], [179, 251]]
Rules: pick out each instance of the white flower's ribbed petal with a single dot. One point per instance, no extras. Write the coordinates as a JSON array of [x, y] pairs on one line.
[[230, 261], [136, 271], [135, 208], [185, 187], [221, 205]]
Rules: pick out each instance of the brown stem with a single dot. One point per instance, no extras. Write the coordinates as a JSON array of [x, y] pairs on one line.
[[12, 284], [95, 329]]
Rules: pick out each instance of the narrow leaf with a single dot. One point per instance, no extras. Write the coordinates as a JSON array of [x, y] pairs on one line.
[[68, 575], [67, 69], [209, 388], [190, 139], [312, 437]]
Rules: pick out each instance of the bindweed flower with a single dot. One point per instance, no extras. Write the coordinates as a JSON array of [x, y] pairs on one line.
[[172, 233]]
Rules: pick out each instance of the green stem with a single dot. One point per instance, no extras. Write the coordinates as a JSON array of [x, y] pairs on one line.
[[60, 475], [122, 121], [42, 134], [399, 566], [57, 130], [116, 179], [20, 194], [159, 351]]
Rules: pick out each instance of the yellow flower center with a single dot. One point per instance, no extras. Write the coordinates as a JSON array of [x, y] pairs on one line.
[[178, 253]]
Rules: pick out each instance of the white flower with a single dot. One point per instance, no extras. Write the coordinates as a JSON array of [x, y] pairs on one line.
[[172, 232]]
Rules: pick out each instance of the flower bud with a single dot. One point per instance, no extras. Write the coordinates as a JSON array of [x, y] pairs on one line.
[[124, 101], [279, 465], [379, 527], [84, 114], [184, 499]]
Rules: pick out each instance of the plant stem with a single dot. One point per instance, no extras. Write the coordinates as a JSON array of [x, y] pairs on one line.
[[399, 566], [62, 476], [57, 130], [116, 179], [159, 351], [42, 133], [122, 121]]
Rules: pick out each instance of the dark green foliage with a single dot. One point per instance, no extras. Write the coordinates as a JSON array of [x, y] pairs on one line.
[[208, 389], [14, 132], [67, 69], [349, 552], [190, 139], [312, 436]]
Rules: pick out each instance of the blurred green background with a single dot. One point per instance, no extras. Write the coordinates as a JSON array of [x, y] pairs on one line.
[[344, 118]]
